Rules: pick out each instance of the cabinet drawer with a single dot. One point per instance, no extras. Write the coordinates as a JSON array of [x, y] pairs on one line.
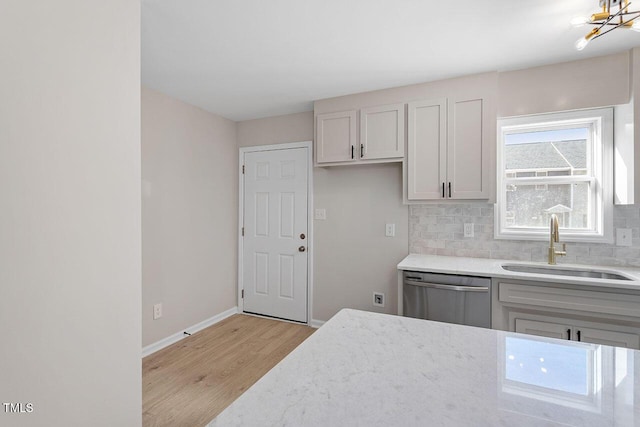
[[570, 299]]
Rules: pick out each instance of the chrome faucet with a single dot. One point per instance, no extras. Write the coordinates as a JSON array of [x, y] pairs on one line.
[[554, 237]]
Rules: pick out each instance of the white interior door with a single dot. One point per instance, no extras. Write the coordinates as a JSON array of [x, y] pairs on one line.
[[275, 259]]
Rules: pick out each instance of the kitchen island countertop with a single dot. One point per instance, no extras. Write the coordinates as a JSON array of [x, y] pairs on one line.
[[369, 369]]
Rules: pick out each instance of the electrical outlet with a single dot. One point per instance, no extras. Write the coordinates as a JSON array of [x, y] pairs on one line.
[[378, 299], [157, 311], [390, 230], [468, 229], [623, 237]]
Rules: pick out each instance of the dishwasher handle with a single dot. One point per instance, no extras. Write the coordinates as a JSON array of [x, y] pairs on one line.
[[448, 287]]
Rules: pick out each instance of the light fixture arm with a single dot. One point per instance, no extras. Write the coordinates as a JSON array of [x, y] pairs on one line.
[[618, 25], [605, 22], [611, 17]]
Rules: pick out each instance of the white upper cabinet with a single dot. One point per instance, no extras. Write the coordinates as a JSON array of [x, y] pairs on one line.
[[448, 149], [382, 132], [427, 145], [467, 149], [381, 136], [336, 137]]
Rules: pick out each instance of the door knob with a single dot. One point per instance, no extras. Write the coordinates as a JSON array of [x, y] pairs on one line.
[[302, 249]]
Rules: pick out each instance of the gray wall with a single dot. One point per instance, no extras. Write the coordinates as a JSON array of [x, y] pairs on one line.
[[189, 215], [353, 257], [565, 86], [276, 130], [70, 212]]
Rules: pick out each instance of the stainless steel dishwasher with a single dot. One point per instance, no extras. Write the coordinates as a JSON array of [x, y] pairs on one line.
[[465, 300]]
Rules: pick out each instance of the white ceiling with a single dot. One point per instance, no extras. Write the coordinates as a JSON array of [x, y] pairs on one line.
[[245, 59]]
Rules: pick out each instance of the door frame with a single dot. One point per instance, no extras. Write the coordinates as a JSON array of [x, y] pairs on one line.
[[287, 146]]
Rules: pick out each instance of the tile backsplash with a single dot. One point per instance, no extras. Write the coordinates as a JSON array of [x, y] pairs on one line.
[[439, 230]]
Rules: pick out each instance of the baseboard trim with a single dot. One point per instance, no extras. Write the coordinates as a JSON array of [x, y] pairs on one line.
[[172, 339], [316, 323]]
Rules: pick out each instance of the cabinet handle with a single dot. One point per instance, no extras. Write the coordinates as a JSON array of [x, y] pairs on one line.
[[569, 334], [361, 150], [352, 152], [449, 189], [578, 334], [443, 190]]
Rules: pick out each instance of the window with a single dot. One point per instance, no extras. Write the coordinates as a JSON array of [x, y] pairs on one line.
[[561, 164]]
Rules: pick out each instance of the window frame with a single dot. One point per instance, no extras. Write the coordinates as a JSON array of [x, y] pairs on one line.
[[599, 161]]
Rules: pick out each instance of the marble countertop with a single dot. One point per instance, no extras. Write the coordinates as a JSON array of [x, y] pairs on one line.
[[493, 268], [369, 369]]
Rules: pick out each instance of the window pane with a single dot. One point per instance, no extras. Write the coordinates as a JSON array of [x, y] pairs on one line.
[[557, 152], [532, 205]]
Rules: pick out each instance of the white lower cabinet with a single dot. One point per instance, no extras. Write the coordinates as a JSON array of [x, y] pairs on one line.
[[543, 329], [586, 314], [606, 337], [567, 331]]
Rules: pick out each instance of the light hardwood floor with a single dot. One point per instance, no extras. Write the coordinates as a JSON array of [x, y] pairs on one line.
[[192, 381]]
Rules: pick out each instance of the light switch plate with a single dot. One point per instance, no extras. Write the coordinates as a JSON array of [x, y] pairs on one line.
[[157, 311], [390, 230], [623, 237], [468, 229], [320, 214]]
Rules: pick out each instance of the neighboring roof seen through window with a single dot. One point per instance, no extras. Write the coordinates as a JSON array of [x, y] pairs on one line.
[[553, 149], [547, 155]]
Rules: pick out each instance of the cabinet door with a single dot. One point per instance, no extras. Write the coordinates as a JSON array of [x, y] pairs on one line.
[[543, 329], [567, 331], [467, 149], [426, 145], [600, 336], [382, 132], [336, 137]]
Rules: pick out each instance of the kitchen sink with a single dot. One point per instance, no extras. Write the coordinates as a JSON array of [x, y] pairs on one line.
[[563, 271]]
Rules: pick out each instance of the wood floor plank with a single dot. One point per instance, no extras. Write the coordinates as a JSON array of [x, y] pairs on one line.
[[192, 381]]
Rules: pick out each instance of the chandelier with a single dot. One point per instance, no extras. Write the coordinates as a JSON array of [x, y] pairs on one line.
[[615, 14]]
